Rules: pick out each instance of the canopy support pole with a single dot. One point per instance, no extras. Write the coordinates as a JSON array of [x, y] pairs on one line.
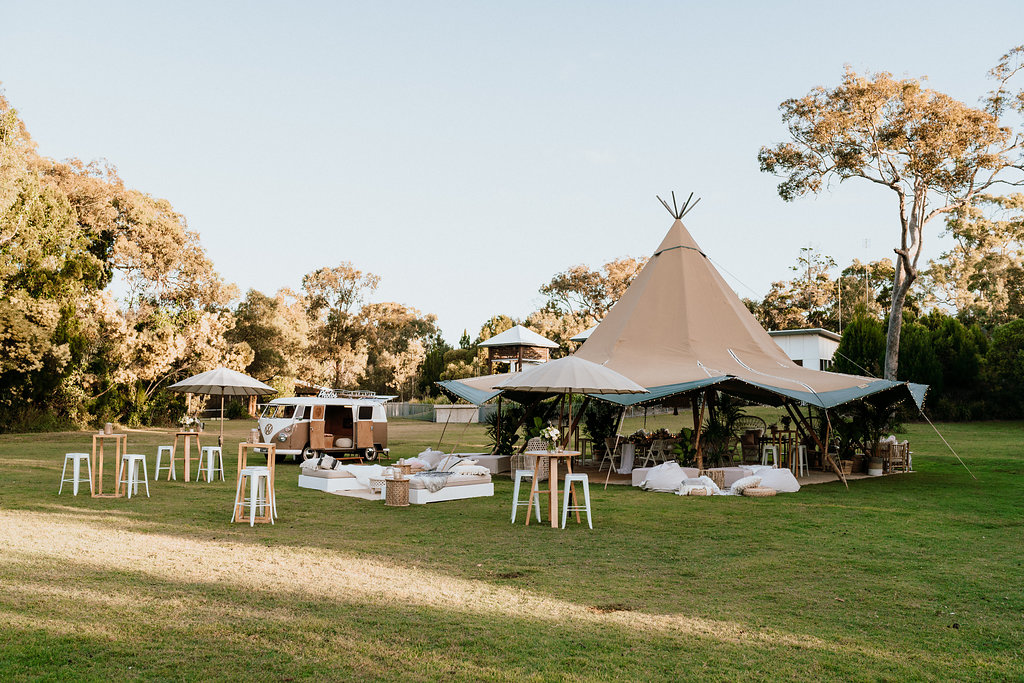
[[700, 424], [574, 423], [220, 442], [497, 431], [611, 456], [798, 416]]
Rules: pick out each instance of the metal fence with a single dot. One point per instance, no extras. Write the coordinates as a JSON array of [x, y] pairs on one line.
[[425, 411]]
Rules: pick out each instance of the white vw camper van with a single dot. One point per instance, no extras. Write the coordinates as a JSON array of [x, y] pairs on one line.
[[346, 424]]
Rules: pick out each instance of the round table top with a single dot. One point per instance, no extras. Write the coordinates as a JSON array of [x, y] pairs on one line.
[[554, 454]]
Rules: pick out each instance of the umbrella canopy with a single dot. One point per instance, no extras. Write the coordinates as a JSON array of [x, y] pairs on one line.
[[571, 375], [222, 382]]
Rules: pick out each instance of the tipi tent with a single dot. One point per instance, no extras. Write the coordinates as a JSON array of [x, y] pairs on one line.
[[679, 329]]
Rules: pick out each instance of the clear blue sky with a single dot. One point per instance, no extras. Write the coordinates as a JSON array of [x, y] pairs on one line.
[[466, 152]]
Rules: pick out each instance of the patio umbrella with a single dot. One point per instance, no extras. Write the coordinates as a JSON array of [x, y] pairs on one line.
[[571, 375], [222, 382]]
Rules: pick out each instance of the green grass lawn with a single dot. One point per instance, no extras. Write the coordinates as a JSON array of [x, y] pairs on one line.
[[909, 577]]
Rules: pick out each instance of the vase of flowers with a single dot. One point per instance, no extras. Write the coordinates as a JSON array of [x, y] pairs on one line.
[[552, 435], [190, 424]]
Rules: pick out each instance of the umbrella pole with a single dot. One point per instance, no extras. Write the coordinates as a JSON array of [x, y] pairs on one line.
[[221, 442]]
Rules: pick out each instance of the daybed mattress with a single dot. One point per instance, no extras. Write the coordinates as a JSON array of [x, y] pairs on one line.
[[453, 480]]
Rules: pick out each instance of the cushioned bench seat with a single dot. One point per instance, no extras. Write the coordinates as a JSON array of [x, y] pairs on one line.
[[458, 487]]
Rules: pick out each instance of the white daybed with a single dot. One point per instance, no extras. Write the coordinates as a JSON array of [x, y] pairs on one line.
[[458, 487], [328, 480]]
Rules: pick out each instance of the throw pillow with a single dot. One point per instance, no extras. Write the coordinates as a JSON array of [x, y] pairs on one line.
[[745, 482]]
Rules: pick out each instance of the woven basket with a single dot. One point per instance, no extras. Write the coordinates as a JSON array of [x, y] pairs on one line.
[[526, 462], [759, 492], [717, 476], [397, 493], [698, 492]]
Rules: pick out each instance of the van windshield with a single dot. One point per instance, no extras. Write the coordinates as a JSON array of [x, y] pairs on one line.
[[278, 412]]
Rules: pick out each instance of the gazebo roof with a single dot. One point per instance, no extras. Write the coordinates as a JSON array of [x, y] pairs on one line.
[[519, 336]]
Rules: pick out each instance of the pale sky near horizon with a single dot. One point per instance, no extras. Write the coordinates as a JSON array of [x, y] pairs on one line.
[[466, 152]]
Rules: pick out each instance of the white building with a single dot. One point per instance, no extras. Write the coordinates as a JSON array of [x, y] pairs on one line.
[[812, 348]]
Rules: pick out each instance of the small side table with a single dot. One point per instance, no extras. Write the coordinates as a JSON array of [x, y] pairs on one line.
[[243, 456], [120, 448], [188, 455], [396, 492]]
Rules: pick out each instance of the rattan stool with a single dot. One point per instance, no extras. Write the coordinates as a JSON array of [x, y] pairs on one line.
[[396, 493]]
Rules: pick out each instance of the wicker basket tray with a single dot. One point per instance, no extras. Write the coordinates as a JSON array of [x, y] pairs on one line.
[[759, 491], [698, 492]]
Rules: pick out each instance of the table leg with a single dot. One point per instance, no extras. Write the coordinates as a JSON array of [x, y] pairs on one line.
[[120, 465], [188, 458], [100, 488], [93, 484], [553, 485]]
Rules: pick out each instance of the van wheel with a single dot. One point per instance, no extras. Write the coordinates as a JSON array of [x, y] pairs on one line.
[[371, 454], [308, 453]]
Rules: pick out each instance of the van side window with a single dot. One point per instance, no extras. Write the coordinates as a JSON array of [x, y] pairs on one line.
[[286, 412], [365, 413], [300, 412]]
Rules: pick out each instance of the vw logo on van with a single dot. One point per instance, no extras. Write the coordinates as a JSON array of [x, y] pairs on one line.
[[269, 428]]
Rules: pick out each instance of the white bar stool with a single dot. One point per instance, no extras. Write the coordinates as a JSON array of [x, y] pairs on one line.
[[76, 471], [516, 503], [206, 458], [566, 508], [261, 495], [775, 454], [169, 450], [130, 473], [801, 461]]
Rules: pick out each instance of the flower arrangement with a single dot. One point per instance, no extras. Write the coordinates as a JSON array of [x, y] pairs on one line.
[[551, 435], [639, 436], [661, 433], [190, 423]]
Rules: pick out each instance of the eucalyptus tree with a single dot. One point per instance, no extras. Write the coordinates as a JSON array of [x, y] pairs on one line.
[[935, 153]]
